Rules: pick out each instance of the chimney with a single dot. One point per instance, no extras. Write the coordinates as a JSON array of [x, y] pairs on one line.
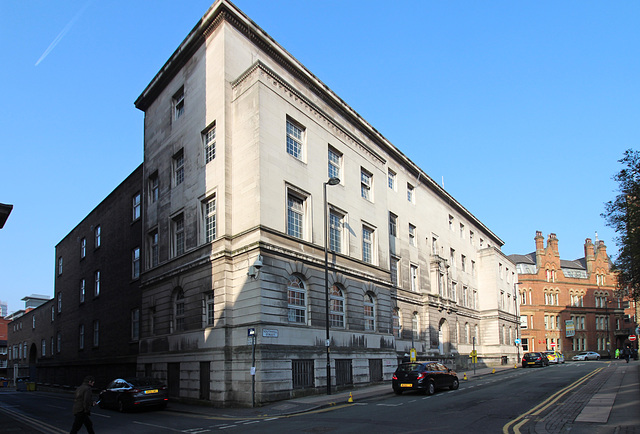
[[539, 242], [589, 255], [601, 248], [552, 243]]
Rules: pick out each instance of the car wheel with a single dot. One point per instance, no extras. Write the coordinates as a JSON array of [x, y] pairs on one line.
[[121, 407], [455, 384], [397, 391], [431, 388]]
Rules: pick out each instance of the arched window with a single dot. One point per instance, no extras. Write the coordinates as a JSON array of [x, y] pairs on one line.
[[397, 323], [369, 312], [178, 310], [336, 307], [297, 297]]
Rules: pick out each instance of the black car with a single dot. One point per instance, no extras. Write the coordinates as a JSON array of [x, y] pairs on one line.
[[130, 393], [424, 376], [534, 359]]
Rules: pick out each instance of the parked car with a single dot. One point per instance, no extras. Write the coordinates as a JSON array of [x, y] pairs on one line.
[[424, 376], [130, 393], [586, 355], [554, 357], [534, 359]]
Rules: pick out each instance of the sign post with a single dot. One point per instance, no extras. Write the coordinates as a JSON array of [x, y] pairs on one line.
[[252, 335]]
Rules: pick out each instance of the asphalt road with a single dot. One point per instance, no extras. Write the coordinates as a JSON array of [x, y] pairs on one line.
[[482, 406]]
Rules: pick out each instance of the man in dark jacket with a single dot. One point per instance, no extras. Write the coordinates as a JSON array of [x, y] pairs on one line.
[[82, 406]]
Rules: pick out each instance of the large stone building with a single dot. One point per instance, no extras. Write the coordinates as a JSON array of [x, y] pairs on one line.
[[240, 143], [570, 305], [92, 324]]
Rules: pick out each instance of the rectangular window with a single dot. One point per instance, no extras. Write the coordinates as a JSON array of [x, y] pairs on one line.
[[295, 140], [178, 235], [412, 235], [97, 234], [83, 290], [335, 163], [209, 219], [210, 306], [153, 248], [461, 230], [367, 244], [43, 346], [97, 283], [96, 333], [209, 139], [394, 268], [366, 183], [83, 248], [178, 168], [135, 263], [393, 225], [452, 257], [136, 206], [81, 337], [410, 193], [153, 187], [295, 216], [414, 278], [471, 237], [450, 222], [58, 342], [178, 104], [391, 179], [135, 324], [59, 302], [463, 262], [336, 223], [60, 265]]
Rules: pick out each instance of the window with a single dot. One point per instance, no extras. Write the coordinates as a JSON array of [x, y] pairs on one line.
[[434, 245], [59, 302], [414, 278], [471, 237], [178, 104], [209, 139], [450, 222], [210, 308], [33, 322], [60, 265], [336, 223], [296, 215], [178, 235], [153, 187], [135, 263], [454, 291], [136, 206], [58, 342], [394, 268], [178, 168], [410, 193], [335, 163], [83, 248], [53, 314], [82, 290], [393, 225], [96, 234], [369, 312], [96, 333], [391, 177], [52, 345], [397, 324], [465, 296], [336, 307], [415, 325], [178, 310], [135, 324], [81, 337], [452, 257], [412, 235], [295, 140], [209, 219], [97, 283], [297, 300], [367, 244], [463, 262], [366, 180], [153, 248], [43, 347], [461, 230]]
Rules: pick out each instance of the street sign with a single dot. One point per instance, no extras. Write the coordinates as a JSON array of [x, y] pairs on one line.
[[553, 344], [251, 332], [632, 338], [518, 341]]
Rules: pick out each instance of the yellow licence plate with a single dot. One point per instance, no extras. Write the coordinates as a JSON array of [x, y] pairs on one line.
[[406, 385], [532, 363], [151, 391]]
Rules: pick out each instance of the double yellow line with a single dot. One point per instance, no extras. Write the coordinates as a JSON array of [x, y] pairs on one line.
[[535, 411]]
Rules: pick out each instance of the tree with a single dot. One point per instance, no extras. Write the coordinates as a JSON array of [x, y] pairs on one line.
[[623, 214]]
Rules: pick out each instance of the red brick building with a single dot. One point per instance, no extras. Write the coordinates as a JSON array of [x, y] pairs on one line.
[[569, 304]]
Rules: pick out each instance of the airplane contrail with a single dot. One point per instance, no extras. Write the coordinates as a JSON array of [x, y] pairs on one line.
[[64, 31]]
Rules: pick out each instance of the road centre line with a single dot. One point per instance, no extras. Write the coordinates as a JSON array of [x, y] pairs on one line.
[[39, 425], [535, 411], [157, 426]]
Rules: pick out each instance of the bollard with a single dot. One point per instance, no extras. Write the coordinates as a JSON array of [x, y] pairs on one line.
[[494, 371], [350, 397], [465, 376]]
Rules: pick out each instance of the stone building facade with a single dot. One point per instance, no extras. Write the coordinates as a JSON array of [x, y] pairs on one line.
[[240, 141], [570, 305]]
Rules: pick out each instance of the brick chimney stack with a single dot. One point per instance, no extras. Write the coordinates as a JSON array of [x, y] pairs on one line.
[[601, 248], [539, 242], [589, 255], [552, 243]]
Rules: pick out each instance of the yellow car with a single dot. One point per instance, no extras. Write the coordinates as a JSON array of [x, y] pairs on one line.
[[554, 356]]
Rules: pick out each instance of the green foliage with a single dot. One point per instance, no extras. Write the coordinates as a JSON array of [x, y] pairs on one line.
[[623, 214]]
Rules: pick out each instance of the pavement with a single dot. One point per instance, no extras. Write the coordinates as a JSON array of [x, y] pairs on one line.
[[608, 402]]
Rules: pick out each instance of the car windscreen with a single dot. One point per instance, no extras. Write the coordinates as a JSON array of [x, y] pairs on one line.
[[409, 367]]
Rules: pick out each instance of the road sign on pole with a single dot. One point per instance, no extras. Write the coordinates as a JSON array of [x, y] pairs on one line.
[[632, 338]]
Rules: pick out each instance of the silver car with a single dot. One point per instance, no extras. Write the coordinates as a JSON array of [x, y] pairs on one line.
[[586, 355]]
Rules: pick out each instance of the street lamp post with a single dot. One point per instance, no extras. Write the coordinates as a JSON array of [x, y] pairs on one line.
[[331, 181]]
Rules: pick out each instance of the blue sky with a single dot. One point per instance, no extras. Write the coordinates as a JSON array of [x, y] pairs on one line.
[[523, 109]]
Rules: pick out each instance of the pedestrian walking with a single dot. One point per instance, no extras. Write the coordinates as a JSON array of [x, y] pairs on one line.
[[617, 353], [626, 353], [82, 406]]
